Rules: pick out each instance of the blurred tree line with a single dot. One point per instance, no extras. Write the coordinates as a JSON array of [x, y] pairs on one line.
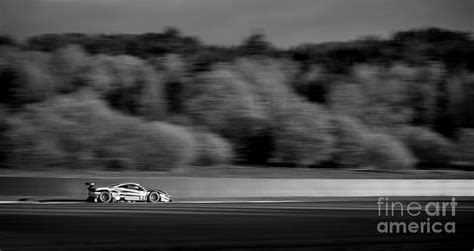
[[157, 101]]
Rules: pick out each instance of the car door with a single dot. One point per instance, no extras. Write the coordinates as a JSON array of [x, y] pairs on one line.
[[141, 193], [128, 192]]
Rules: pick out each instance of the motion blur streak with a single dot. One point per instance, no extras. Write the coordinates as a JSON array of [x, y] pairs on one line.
[[296, 225]]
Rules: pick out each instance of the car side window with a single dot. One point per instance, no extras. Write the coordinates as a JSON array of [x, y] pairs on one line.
[[137, 188], [132, 187]]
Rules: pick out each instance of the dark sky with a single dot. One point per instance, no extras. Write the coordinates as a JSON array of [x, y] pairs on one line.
[[286, 22]]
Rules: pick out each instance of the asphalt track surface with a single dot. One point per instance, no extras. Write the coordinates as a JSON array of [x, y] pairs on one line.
[[268, 225]]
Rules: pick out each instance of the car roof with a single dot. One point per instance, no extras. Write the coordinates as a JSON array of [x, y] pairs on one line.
[[128, 183]]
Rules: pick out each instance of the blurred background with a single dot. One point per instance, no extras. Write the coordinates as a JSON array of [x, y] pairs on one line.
[[167, 100], [158, 101]]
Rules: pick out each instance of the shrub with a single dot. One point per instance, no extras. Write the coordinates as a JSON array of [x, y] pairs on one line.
[[350, 142], [70, 65], [223, 102], [386, 152], [81, 131], [150, 146], [24, 80], [212, 149], [32, 146], [465, 145], [428, 146], [130, 85], [4, 144], [302, 136]]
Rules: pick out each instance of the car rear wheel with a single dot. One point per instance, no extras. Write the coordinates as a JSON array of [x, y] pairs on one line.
[[153, 197], [105, 197]]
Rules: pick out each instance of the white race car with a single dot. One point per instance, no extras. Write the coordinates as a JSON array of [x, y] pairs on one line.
[[125, 192]]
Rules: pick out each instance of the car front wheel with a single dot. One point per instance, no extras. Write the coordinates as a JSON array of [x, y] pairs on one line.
[[153, 197], [105, 197]]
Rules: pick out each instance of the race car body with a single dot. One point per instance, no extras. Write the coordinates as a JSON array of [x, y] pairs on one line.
[[125, 192]]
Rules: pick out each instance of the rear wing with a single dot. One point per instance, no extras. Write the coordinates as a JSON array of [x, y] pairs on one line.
[[91, 186]]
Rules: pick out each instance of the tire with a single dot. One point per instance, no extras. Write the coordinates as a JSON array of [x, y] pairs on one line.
[[105, 197], [153, 197]]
